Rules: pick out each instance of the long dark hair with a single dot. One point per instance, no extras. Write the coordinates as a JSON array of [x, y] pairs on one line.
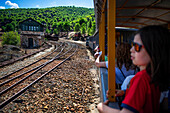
[[123, 56], [156, 40]]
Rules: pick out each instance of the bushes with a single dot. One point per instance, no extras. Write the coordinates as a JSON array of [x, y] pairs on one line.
[[8, 27], [11, 38]]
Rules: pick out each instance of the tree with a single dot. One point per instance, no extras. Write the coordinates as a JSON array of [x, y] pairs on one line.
[[43, 21], [89, 24], [81, 21], [54, 26], [47, 16], [66, 27], [3, 28], [9, 27], [89, 31], [83, 30], [11, 38], [77, 27], [14, 23], [47, 31], [55, 32], [83, 25], [93, 29], [60, 26]]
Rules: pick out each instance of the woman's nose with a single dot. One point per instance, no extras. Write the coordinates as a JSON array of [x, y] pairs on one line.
[[132, 49]]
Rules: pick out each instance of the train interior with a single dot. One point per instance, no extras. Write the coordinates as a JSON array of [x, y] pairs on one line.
[[116, 22]]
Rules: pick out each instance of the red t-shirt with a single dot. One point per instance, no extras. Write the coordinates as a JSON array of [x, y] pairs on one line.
[[142, 96]]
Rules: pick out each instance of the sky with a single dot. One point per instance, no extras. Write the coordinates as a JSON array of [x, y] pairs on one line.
[[6, 4]]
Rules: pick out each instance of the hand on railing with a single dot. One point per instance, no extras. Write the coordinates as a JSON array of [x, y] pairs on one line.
[[97, 54], [97, 49], [119, 93]]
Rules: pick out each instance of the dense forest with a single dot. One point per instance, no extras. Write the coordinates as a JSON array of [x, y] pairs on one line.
[[56, 19]]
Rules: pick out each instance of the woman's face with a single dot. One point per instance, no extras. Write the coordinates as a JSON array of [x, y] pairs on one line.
[[140, 58]]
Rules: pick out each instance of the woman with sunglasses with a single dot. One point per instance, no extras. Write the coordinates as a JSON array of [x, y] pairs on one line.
[[151, 53]]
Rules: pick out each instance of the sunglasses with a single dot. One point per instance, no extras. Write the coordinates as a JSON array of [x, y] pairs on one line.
[[137, 46]]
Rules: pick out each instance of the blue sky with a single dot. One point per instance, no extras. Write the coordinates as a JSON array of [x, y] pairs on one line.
[[5, 4]]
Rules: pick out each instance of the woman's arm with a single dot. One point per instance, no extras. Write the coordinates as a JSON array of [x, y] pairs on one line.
[[100, 64], [105, 109]]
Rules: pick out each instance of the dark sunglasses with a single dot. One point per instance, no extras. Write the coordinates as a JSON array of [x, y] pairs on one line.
[[137, 46]]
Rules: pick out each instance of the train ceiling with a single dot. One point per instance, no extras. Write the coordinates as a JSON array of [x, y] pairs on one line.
[[137, 13]]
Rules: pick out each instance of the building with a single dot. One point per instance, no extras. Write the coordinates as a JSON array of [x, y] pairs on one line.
[[31, 33]]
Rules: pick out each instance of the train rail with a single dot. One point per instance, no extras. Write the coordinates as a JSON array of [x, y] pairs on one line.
[[17, 84], [25, 71], [7, 75], [5, 63]]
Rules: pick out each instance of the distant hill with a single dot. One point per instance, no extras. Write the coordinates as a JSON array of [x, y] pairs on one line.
[[46, 16]]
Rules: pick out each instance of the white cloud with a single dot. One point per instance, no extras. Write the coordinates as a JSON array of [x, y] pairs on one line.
[[1, 7], [13, 5], [37, 6]]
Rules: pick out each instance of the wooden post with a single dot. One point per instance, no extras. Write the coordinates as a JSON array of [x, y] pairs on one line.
[[102, 35], [111, 19]]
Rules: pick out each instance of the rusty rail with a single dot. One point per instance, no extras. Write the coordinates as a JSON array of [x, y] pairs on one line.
[[35, 81]]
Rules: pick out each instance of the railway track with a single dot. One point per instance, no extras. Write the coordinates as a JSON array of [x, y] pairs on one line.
[[5, 63], [16, 83], [33, 63]]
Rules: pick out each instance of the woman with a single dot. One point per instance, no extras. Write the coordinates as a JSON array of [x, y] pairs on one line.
[[150, 52]]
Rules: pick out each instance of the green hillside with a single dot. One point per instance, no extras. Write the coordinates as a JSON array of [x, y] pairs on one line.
[[50, 17]]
